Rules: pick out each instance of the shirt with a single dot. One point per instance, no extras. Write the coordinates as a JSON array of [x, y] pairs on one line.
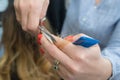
[[100, 21]]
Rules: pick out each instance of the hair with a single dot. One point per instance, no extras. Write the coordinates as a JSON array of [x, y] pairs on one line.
[[22, 57]]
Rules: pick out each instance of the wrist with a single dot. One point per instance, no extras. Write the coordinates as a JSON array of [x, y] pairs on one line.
[[107, 69]]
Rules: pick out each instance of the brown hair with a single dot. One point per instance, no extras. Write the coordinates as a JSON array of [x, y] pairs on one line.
[[21, 53]]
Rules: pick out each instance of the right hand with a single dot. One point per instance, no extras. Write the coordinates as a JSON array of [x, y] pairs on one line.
[[76, 62], [29, 13]]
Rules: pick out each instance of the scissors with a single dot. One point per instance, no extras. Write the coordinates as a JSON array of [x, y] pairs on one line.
[[45, 32], [82, 41]]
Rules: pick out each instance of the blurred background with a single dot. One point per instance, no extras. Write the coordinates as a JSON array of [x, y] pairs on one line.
[[3, 6]]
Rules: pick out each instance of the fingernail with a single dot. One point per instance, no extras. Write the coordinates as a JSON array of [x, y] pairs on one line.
[[39, 38], [42, 51], [69, 38]]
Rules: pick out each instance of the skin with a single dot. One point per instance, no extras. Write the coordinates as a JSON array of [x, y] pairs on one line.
[[29, 13], [77, 62]]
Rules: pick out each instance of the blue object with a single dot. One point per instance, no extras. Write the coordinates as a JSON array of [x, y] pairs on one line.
[[86, 42]]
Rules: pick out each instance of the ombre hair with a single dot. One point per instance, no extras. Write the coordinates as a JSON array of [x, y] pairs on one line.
[[22, 57]]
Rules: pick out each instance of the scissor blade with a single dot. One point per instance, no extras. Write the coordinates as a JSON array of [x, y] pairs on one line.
[[47, 34]]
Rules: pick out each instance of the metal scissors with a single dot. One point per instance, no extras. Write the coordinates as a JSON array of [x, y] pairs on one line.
[[82, 41], [45, 32]]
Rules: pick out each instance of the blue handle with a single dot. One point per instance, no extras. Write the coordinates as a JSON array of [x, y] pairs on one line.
[[86, 42]]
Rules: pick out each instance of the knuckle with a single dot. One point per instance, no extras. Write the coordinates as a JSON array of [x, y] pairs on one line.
[[83, 57], [82, 34], [78, 58], [22, 5]]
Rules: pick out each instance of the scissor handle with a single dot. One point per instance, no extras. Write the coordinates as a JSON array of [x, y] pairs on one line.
[[86, 41]]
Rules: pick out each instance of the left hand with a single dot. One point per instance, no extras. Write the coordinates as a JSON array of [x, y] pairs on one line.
[[77, 62]]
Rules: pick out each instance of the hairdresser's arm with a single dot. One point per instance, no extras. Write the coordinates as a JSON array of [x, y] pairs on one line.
[[112, 52], [29, 12]]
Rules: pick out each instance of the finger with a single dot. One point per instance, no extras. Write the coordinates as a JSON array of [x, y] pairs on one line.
[[16, 3], [56, 53], [33, 21], [70, 48], [44, 9], [18, 16], [34, 16], [17, 11], [62, 70], [24, 15], [49, 58], [53, 61], [67, 47], [64, 73]]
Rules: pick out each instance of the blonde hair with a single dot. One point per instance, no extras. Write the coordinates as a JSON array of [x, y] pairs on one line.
[[21, 53]]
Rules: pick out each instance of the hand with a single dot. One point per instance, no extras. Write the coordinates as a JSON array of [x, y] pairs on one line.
[[29, 13], [77, 62]]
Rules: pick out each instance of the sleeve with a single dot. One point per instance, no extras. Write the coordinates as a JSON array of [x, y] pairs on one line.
[[112, 52]]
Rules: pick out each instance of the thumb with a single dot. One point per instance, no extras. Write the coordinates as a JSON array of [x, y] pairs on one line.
[[61, 43], [73, 38]]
